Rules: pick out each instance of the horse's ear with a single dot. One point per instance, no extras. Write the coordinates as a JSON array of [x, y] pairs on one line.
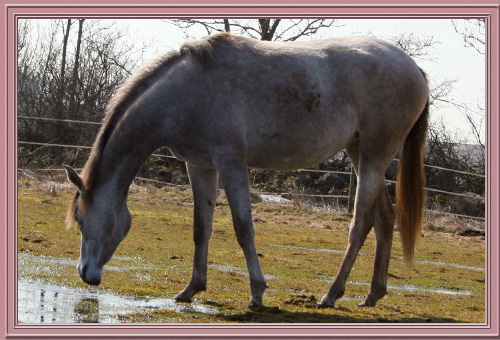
[[74, 178]]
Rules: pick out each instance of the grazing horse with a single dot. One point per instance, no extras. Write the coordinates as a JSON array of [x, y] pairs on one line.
[[227, 103]]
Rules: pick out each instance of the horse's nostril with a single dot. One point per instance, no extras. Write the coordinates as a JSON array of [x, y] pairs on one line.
[[82, 270], [91, 276]]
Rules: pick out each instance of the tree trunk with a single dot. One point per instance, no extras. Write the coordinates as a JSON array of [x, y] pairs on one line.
[[60, 99], [62, 79], [227, 26], [65, 47], [74, 106]]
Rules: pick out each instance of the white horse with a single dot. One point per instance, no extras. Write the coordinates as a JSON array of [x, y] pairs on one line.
[[227, 103]]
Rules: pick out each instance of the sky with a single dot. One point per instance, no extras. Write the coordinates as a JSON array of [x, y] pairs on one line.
[[448, 59]]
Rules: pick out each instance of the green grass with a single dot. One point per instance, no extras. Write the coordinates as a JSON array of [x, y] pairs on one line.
[[159, 247]]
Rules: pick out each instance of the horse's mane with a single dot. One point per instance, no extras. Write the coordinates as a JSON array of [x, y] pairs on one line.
[[129, 91], [116, 107], [203, 50]]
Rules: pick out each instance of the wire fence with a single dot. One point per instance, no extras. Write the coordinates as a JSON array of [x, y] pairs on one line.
[[349, 197]]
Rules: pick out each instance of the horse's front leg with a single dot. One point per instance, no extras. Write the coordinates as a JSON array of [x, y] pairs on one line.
[[204, 186], [234, 176]]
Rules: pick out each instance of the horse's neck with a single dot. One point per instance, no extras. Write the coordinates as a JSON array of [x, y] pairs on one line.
[[125, 153]]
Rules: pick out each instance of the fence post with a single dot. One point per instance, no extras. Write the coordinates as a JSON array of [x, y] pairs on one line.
[[352, 190]]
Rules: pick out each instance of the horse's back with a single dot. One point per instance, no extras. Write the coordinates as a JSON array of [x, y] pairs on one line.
[[295, 104], [302, 102]]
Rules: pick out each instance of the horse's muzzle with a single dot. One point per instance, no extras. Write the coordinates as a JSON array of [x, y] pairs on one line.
[[91, 276]]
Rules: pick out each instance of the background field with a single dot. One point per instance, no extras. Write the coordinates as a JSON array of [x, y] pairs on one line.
[[300, 247]]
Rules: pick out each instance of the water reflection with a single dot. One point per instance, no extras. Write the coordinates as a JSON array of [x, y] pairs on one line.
[[86, 311], [40, 302], [47, 302]]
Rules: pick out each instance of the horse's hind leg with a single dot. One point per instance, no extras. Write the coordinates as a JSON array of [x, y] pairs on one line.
[[234, 176], [204, 186], [384, 227], [370, 177]]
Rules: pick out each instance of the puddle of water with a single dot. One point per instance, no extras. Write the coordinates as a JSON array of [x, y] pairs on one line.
[[439, 263], [40, 302], [28, 265], [323, 250], [31, 265], [411, 288], [415, 289], [238, 270]]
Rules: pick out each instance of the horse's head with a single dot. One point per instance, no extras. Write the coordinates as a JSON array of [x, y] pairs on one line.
[[103, 221]]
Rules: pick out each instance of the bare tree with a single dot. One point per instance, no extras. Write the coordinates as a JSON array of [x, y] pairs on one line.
[[74, 104], [69, 71], [262, 29], [472, 32], [414, 45]]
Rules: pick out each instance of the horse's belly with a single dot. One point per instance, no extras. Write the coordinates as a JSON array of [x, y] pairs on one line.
[[291, 154], [285, 163], [289, 137]]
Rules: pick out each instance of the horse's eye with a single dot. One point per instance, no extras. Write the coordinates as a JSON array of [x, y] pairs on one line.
[[77, 218]]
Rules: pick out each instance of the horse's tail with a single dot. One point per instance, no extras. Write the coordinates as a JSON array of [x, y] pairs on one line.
[[410, 188]]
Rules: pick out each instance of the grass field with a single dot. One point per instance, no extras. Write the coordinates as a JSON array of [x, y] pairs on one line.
[[299, 248]]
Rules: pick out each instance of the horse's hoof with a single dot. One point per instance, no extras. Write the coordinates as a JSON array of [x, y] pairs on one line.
[[371, 300], [181, 298], [258, 290], [323, 305], [367, 303], [254, 305]]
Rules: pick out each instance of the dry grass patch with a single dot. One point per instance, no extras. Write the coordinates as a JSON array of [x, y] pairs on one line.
[[300, 251]]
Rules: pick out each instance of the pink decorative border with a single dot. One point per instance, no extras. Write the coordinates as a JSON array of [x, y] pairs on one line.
[[488, 9]]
